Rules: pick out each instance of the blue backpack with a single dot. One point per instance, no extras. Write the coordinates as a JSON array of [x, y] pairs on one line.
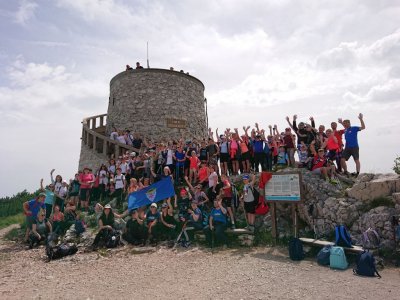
[[366, 265], [337, 258], [205, 218], [296, 249], [342, 237], [323, 257]]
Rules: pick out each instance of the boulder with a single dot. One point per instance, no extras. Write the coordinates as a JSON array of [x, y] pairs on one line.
[[381, 185]]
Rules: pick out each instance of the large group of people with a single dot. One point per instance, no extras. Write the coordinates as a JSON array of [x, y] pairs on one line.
[[200, 170]]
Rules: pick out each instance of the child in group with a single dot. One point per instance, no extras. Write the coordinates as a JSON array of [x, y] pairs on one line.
[[282, 161], [57, 220], [194, 163], [227, 198], [304, 158]]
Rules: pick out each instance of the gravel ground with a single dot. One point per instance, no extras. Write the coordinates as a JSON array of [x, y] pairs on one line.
[[194, 273]]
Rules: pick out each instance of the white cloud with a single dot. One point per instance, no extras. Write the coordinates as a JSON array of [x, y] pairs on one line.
[[26, 11]]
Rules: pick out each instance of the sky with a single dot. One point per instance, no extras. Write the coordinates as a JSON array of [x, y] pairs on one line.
[[260, 61]]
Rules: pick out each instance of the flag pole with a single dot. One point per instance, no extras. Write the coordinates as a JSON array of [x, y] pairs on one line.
[[148, 65]]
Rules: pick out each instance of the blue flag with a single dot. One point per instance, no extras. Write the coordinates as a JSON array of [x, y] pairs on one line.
[[153, 193]]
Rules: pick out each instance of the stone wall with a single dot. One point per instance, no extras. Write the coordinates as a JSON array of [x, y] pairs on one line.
[[142, 100], [89, 158]]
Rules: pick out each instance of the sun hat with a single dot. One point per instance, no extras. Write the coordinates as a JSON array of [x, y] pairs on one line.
[[164, 205], [246, 176], [107, 206], [42, 195], [153, 205]]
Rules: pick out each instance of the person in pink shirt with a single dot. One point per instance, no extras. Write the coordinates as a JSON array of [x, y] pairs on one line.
[[86, 179], [194, 163]]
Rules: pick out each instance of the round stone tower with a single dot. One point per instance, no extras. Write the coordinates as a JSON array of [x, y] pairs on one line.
[[158, 104]]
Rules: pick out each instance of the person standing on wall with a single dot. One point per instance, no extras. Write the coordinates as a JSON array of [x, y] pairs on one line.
[[351, 148]]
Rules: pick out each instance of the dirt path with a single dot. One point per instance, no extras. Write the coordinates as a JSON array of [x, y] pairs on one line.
[[196, 273]]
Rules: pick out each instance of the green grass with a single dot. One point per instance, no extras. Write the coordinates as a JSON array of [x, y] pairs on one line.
[[381, 201], [15, 219]]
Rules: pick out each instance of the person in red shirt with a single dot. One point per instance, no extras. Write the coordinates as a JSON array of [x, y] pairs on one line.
[[86, 179], [320, 163], [227, 198], [289, 146], [338, 134], [194, 163]]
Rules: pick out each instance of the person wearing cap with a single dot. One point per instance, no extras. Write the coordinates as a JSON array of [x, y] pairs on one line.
[[320, 164], [32, 209], [227, 195], [152, 218], [135, 231], [168, 222], [249, 201], [120, 185], [183, 203], [198, 195], [258, 148], [105, 224]]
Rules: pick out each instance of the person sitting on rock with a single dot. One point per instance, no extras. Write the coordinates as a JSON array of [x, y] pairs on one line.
[[215, 232], [32, 208], [152, 218], [106, 223], [41, 227], [167, 221], [320, 164], [57, 220], [135, 231]]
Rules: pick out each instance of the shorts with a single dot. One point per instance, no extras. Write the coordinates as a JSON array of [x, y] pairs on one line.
[[250, 207], [227, 201], [29, 221], [348, 152], [316, 171], [213, 161], [83, 194], [245, 156], [224, 157], [332, 154], [73, 194]]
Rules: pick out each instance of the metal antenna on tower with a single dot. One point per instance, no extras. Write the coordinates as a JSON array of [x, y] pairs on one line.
[[148, 65]]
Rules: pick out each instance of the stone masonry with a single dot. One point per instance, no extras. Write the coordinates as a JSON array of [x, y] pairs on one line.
[[143, 100]]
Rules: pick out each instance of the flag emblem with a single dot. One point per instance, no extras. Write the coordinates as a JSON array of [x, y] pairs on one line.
[[151, 194]]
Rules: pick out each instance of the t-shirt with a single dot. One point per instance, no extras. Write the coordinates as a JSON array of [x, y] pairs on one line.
[[40, 226], [107, 220], [288, 140], [84, 178], [248, 194], [137, 143], [183, 204], [103, 177], [75, 186], [203, 173], [124, 167], [194, 162], [224, 147], [150, 217], [35, 207], [227, 191], [212, 149], [203, 153], [318, 162], [212, 179], [303, 155], [170, 158], [218, 216], [49, 197], [197, 212], [338, 134], [112, 169], [258, 146], [282, 158], [351, 136], [119, 181], [180, 156]]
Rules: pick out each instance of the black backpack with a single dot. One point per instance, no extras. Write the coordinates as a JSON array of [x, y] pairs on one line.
[[256, 194], [365, 265], [113, 239], [296, 249], [323, 257]]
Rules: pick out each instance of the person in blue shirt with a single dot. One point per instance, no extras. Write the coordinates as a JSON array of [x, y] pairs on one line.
[[217, 223], [152, 219], [32, 209], [351, 148], [50, 197]]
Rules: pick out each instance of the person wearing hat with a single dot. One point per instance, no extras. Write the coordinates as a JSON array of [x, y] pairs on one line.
[[40, 228], [152, 218], [217, 223], [135, 231], [248, 200], [105, 224], [32, 209]]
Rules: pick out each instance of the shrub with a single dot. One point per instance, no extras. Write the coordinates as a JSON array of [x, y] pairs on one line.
[[396, 167]]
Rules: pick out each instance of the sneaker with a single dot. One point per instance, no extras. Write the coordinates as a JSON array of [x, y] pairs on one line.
[[233, 227], [252, 228], [334, 181]]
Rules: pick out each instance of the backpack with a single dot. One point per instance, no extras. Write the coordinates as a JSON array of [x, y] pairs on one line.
[[256, 193], [365, 265], [370, 239], [60, 251], [337, 258], [113, 239], [296, 249], [342, 237], [323, 256]]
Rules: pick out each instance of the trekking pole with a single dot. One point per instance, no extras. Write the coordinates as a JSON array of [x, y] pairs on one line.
[[212, 240]]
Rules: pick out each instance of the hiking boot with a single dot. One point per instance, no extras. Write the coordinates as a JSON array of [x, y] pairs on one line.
[[334, 181], [233, 227]]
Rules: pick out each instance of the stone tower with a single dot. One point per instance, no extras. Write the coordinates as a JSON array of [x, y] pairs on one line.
[[159, 104]]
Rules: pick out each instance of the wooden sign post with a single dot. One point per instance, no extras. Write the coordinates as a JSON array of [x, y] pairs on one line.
[[284, 187]]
